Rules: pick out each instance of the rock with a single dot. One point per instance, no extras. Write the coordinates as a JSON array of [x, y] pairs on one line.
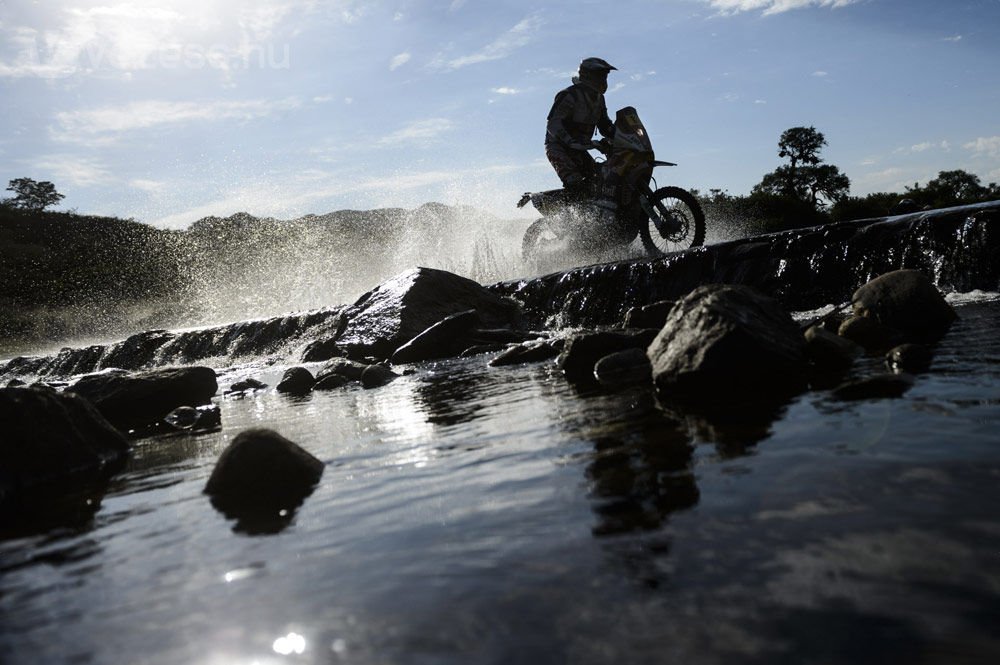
[[349, 369], [909, 358], [137, 351], [624, 368], [653, 315], [48, 439], [874, 387], [726, 342], [262, 472], [331, 382], [395, 312], [322, 349], [828, 351], [194, 419], [907, 301], [246, 385], [868, 333], [377, 375], [445, 339], [904, 207], [582, 351], [296, 381], [529, 352], [480, 349], [132, 401], [15, 383]]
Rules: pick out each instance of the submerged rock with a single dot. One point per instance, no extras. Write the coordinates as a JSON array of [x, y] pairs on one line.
[[296, 381], [133, 401], [331, 382], [349, 369], [48, 439], [375, 376], [529, 352], [727, 342], [395, 312], [828, 351], [624, 368], [874, 387], [907, 301], [261, 473], [194, 419], [246, 385], [868, 333], [909, 358]]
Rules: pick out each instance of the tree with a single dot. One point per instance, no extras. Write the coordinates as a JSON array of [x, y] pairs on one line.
[[32, 195], [805, 178], [952, 188]]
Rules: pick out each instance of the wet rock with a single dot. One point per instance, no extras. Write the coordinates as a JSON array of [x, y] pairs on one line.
[[907, 301], [653, 315], [868, 333], [582, 351], [349, 369], [47, 439], [192, 418], [261, 474], [624, 368], [395, 312], [133, 401], [15, 383], [909, 358], [296, 381], [331, 382], [445, 339], [246, 385], [829, 351], [529, 352], [727, 342], [137, 351], [480, 349], [503, 336], [874, 387], [375, 376], [322, 349]]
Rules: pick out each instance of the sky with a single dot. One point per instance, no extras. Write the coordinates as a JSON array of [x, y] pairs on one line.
[[170, 110]]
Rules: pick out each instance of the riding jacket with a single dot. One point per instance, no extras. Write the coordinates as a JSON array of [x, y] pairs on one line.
[[576, 112]]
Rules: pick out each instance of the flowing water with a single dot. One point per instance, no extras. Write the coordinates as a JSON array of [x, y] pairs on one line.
[[470, 514]]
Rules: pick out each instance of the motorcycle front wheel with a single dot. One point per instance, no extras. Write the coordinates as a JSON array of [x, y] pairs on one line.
[[674, 222], [541, 238]]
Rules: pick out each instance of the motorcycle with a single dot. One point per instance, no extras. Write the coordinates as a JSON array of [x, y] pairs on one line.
[[621, 206]]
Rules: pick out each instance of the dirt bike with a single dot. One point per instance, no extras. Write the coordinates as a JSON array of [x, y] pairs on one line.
[[621, 204]]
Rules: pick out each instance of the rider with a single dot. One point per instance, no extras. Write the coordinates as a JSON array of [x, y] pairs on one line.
[[576, 112]]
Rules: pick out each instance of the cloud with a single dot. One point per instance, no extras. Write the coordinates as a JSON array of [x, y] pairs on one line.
[[150, 186], [75, 169], [398, 61], [924, 147], [769, 7], [418, 131], [501, 47], [504, 90], [819, 73], [984, 146], [953, 38], [101, 125]]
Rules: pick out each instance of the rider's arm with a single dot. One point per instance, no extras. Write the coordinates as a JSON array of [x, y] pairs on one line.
[[562, 109], [604, 124]]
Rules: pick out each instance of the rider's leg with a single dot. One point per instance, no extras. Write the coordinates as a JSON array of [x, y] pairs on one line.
[[575, 168]]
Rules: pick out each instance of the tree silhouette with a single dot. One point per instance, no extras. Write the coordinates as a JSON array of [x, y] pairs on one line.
[[32, 195], [805, 178]]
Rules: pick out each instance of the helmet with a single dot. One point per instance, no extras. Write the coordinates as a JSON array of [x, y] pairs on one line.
[[595, 65]]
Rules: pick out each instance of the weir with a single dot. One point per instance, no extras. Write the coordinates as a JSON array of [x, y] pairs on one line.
[[959, 248]]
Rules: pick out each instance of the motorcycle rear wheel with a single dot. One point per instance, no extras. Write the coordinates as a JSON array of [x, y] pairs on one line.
[[683, 208]]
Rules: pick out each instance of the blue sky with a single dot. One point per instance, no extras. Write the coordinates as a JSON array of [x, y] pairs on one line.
[[169, 110]]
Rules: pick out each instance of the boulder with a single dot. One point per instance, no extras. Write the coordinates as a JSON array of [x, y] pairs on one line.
[[529, 352], [874, 387], [909, 358], [246, 385], [349, 369], [907, 301], [624, 368], [322, 349], [582, 351], [868, 333], [828, 351], [49, 438], [725, 342], [133, 401], [653, 315], [189, 418], [395, 312], [262, 473], [331, 382], [375, 376], [296, 381], [445, 339]]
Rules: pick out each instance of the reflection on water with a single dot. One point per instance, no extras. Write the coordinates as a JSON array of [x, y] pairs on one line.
[[471, 514]]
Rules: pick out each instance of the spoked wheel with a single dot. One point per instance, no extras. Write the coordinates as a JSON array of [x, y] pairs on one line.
[[541, 238], [674, 221]]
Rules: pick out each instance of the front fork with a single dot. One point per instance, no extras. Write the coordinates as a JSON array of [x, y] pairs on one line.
[[663, 219]]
